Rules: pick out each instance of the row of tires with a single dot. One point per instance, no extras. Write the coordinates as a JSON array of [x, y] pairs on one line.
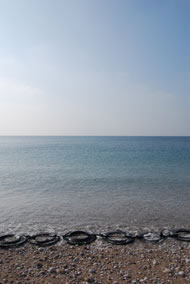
[[82, 237]]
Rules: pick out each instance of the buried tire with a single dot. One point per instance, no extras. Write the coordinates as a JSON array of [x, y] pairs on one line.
[[152, 237], [182, 235], [44, 239], [79, 238], [11, 240], [118, 238], [166, 233]]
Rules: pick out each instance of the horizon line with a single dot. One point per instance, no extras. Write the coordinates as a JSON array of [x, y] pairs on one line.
[[94, 135]]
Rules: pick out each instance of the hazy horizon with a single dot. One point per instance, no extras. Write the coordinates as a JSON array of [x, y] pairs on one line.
[[94, 135], [94, 68]]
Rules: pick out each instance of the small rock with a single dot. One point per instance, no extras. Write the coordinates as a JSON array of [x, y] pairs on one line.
[[39, 265], [155, 262], [78, 273], [181, 273], [42, 273], [41, 249], [166, 270], [90, 280], [61, 271], [127, 276], [52, 270]]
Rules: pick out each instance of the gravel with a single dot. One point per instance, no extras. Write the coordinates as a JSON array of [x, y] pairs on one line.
[[97, 263]]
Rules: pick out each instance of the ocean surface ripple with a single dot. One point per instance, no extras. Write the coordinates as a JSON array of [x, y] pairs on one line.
[[94, 183]]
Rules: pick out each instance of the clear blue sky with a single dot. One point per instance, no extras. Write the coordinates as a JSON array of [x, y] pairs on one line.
[[94, 67]]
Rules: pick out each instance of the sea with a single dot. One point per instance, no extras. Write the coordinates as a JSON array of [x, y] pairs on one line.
[[59, 184]]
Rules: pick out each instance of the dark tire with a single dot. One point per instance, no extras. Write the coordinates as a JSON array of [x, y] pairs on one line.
[[11, 241], [79, 238], [183, 235], [166, 233], [118, 238], [44, 239], [152, 237]]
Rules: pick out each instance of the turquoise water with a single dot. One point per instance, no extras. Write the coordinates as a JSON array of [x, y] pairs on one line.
[[55, 183]]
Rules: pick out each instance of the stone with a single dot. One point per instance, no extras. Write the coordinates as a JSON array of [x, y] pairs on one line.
[[39, 265], [42, 273], [181, 273], [166, 270], [41, 249], [155, 262], [90, 280], [127, 276], [61, 271], [52, 270]]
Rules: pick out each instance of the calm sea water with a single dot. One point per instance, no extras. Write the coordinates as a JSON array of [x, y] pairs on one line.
[[59, 183]]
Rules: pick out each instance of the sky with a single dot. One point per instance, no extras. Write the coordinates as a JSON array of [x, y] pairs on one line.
[[95, 67]]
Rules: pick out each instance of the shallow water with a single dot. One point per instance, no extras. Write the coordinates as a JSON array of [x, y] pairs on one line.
[[61, 183]]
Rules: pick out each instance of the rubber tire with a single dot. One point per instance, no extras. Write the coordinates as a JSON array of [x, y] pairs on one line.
[[181, 238], [89, 238], [53, 239], [11, 244], [129, 239]]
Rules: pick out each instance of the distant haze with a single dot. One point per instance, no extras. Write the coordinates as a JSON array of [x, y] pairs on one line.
[[102, 67]]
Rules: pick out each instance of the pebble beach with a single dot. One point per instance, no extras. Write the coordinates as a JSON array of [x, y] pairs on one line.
[[99, 262]]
